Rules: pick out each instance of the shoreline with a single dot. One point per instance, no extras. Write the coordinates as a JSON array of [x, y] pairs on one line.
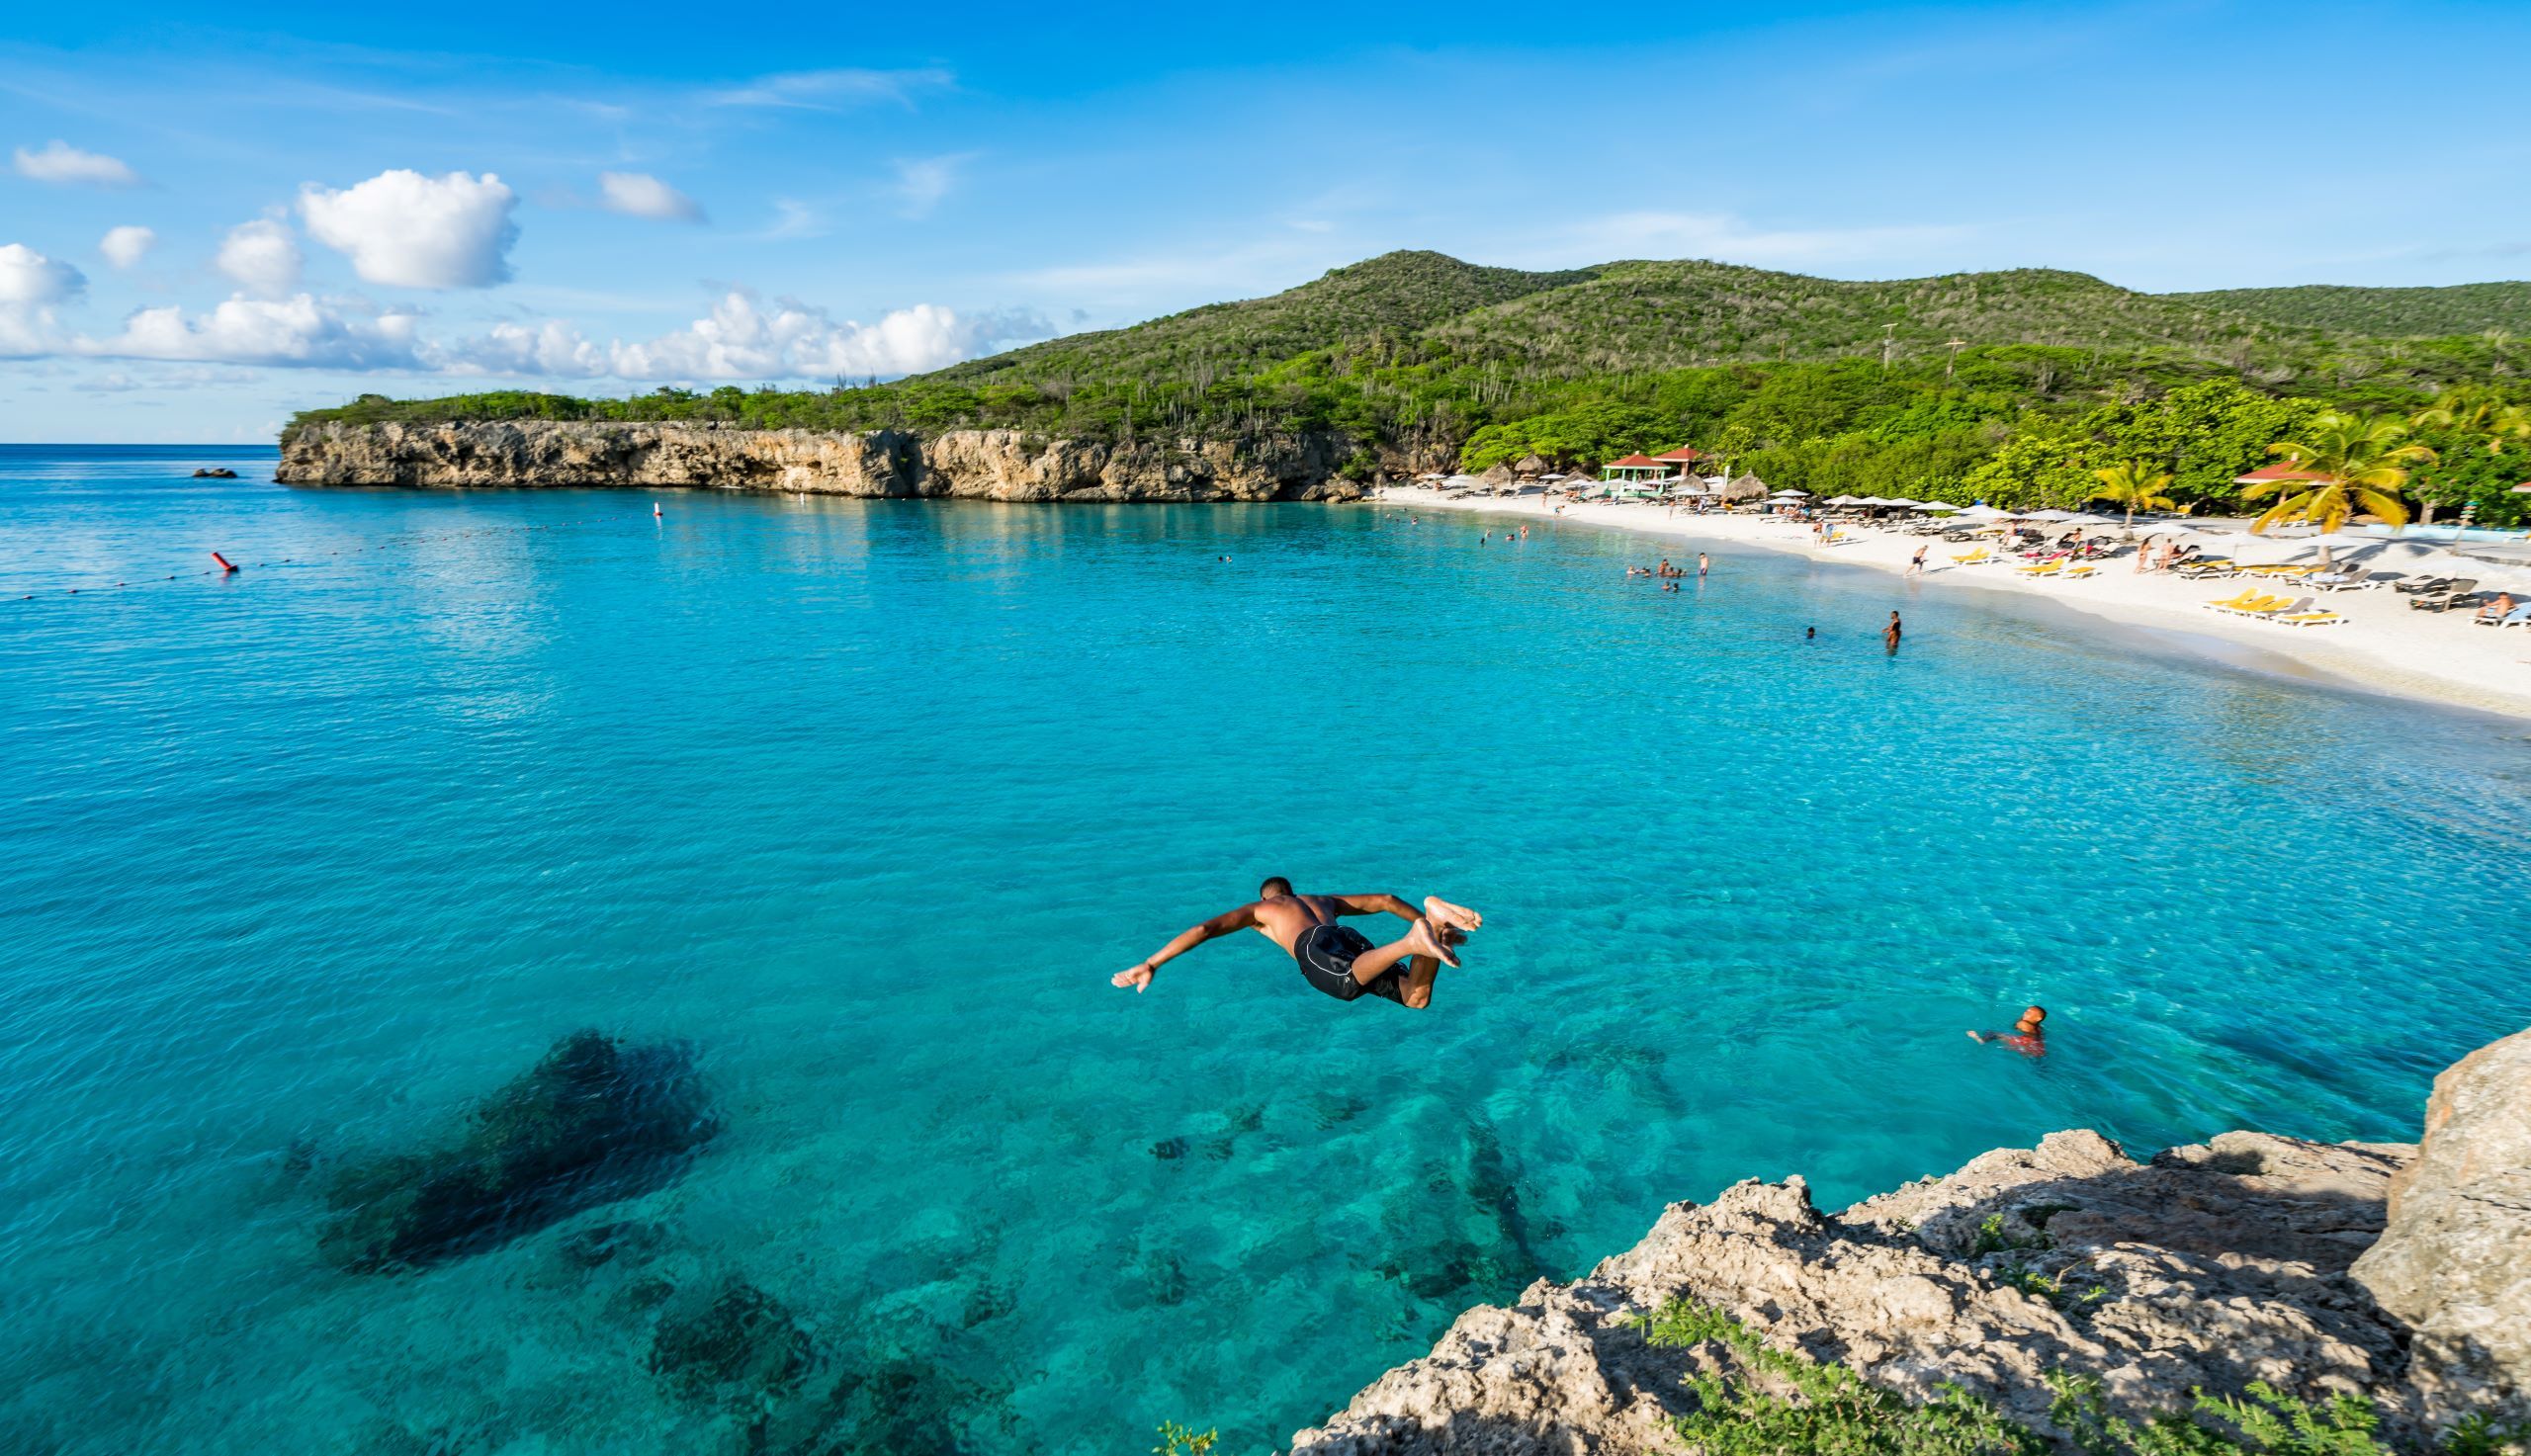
[[2384, 647]]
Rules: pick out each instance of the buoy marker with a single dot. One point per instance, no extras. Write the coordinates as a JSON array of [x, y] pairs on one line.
[[225, 564]]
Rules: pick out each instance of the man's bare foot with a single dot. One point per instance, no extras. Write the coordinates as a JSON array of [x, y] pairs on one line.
[[1458, 917], [1424, 940]]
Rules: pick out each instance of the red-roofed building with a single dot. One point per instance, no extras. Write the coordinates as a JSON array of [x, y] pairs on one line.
[[1681, 457], [1636, 467]]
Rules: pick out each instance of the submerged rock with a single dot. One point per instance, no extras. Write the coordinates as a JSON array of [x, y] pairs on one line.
[[591, 1122], [738, 1346], [218, 472]]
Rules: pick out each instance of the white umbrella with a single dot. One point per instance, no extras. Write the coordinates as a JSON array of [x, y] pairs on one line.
[[1936, 505], [1789, 490], [1982, 513], [1903, 500], [1462, 481], [1845, 501], [2086, 518], [2165, 528]]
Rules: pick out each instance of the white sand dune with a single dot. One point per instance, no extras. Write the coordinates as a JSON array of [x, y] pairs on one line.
[[2440, 656]]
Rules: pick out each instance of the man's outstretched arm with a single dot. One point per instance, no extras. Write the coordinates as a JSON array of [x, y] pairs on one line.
[[1376, 905], [1139, 977]]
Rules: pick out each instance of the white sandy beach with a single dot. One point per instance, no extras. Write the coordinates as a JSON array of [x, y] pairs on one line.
[[2385, 645]]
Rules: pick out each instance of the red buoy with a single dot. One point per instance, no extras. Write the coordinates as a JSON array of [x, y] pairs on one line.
[[225, 564]]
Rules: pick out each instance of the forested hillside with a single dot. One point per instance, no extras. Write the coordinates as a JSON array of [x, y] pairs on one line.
[[2009, 385], [2464, 309]]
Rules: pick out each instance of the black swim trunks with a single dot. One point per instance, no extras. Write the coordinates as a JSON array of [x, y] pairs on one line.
[[1327, 954]]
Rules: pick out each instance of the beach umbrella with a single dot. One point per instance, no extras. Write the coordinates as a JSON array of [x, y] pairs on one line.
[[1789, 490], [1845, 501], [1934, 505], [1901, 500], [1462, 481]]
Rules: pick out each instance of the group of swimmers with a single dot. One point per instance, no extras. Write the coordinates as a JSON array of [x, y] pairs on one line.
[[1670, 576], [1487, 538]]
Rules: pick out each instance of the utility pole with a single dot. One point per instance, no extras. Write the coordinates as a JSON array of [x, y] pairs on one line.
[[1954, 345]]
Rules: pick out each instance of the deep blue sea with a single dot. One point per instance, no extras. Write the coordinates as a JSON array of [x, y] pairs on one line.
[[859, 803]]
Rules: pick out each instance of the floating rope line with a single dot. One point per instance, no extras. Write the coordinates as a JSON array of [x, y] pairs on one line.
[[227, 568]]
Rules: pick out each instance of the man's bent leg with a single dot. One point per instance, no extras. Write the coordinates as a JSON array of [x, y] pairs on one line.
[[1422, 940]]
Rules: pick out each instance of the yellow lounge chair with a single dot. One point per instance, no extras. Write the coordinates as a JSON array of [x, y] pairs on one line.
[[2226, 604], [2311, 618], [1976, 558], [2042, 568], [2072, 573]]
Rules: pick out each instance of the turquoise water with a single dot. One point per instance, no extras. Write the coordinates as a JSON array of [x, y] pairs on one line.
[[862, 803]]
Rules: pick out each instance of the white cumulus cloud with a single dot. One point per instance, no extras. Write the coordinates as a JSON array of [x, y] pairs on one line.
[[124, 247], [62, 162], [639, 195], [30, 284], [744, 339], [261, 257], [408, 231], [301, 331], [747, 339], [29, 279]]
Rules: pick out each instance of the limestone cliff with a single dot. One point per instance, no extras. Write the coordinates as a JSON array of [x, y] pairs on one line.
[[2210, 1266], [989, 464]]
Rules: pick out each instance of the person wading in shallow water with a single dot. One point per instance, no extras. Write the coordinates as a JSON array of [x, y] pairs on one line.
[[1337, 959]]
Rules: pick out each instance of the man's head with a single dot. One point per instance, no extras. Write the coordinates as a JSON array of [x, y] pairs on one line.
[[2031, 1016], [1274, 886]]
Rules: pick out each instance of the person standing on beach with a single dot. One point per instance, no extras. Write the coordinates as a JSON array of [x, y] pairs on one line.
[[1916, 566], [1335, 958]]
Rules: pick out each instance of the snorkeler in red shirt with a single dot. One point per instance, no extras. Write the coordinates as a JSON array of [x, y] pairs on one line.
[[2027, 1036]]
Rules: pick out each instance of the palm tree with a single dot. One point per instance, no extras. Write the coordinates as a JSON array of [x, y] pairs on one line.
[[2477, 415], [2135, 487], [2347, 461]]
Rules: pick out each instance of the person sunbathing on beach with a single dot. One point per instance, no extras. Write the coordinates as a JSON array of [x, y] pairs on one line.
[[2027, 1036], [2498, 610], [1335, 958]]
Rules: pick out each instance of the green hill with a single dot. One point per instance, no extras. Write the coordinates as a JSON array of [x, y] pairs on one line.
[[2465, 309], [1394, 296], [2011, 384]]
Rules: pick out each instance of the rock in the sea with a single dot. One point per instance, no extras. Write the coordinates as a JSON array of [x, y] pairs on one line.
[[593, 1121], [2454, 1263], [216, 473]]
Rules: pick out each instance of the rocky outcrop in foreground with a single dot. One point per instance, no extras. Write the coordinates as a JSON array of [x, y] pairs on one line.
[[989, 464], [2247, 1258]]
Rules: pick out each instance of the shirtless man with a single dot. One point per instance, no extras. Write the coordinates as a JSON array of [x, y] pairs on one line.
[[2028, 1035], [1337, 959]]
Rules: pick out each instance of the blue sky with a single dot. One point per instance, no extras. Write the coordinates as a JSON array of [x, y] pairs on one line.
[[340, 199]]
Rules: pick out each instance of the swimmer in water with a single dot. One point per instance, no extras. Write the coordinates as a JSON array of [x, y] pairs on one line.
[[1890, 634], [1333, 958], [2028, 1035], [1705, 564], [1810, 635]]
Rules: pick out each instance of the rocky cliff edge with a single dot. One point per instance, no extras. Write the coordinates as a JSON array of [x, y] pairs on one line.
[[989, 464], [2398, 1272]]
